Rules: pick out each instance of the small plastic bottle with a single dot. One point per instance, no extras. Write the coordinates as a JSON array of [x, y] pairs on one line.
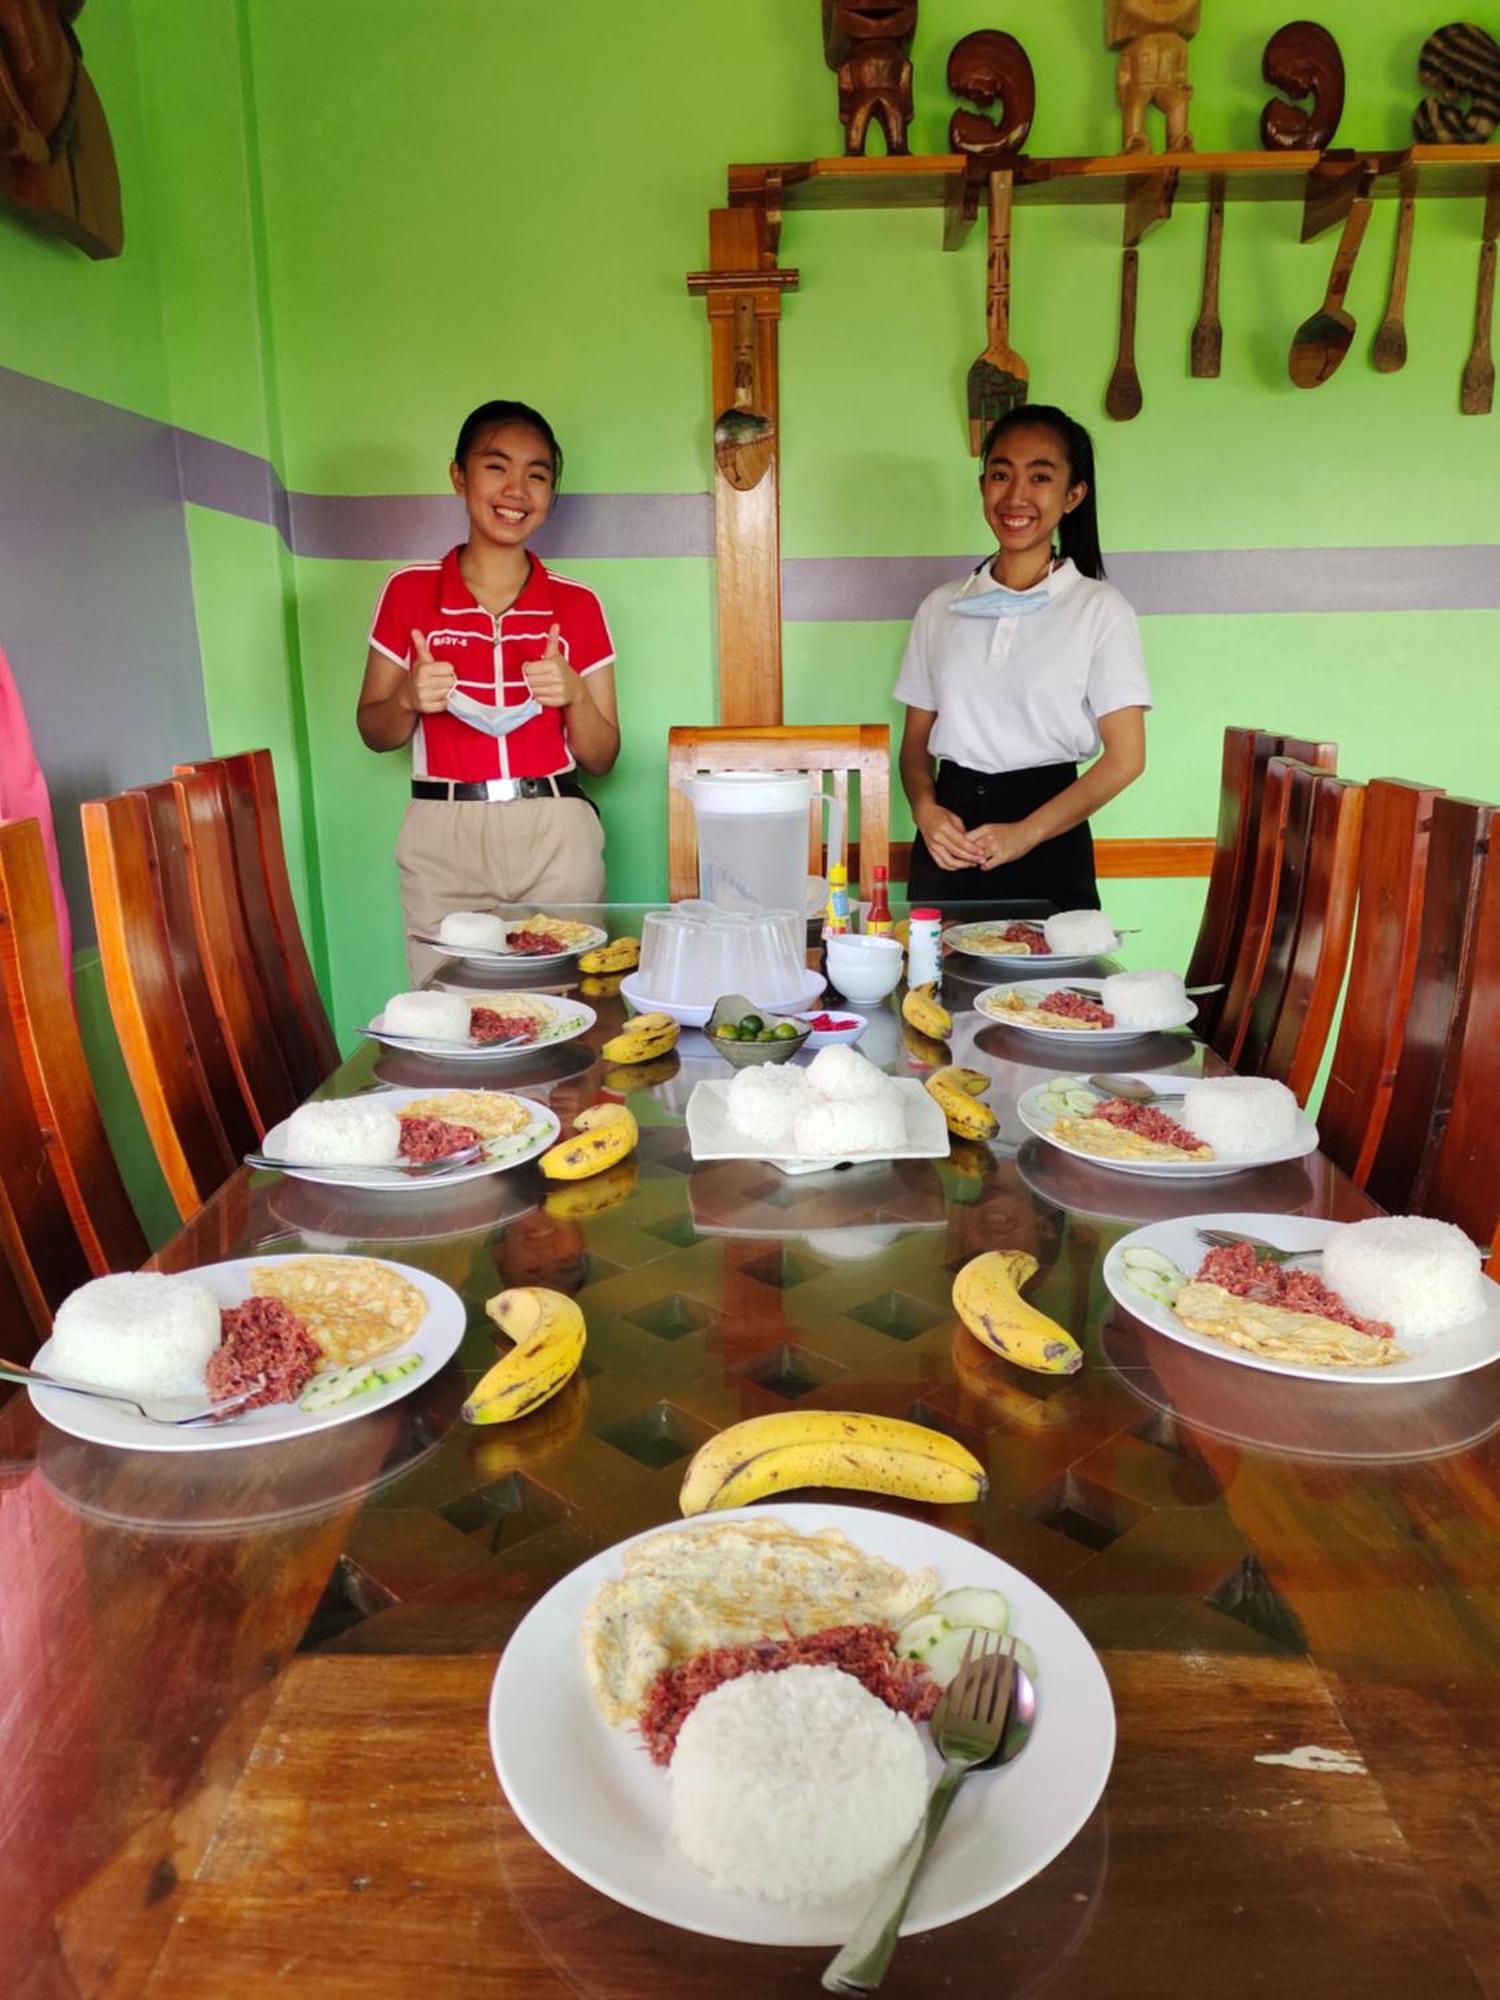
[[923, 961], [837, 919], [878, 916]]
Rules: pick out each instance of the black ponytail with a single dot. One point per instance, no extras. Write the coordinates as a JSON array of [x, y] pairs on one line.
[[1078, 531], [489, 416]]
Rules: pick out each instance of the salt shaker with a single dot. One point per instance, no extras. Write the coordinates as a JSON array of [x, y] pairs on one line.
[[923, 965]]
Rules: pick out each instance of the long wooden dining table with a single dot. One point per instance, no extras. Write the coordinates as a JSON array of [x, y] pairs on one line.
[[243, 1724]]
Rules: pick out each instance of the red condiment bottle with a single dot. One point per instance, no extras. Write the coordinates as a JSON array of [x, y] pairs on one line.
[[878, 916]]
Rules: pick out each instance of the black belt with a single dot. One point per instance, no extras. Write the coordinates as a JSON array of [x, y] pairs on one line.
[[499, 791]]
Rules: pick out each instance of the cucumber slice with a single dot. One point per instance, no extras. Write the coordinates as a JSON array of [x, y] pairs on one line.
[[392, 1371], [1082, 1102], [1163, 1290], [985, 1608], [332, 1386], [947, 1656], [918, 1636], [1138, 1257]]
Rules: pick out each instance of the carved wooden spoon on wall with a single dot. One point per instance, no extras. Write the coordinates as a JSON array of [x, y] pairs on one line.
[[1321, 342], [744, 440]]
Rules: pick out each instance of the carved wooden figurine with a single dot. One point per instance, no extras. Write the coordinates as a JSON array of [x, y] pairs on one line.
[[56, 158], [1152, 38], [867, 43], [1303, 60], [1459, 61], [987, 68]]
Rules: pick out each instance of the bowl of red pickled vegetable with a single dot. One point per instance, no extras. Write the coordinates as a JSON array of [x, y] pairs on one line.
[[829, 1025]]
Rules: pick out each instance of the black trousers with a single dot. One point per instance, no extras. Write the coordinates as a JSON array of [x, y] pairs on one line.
[[1061, 870]]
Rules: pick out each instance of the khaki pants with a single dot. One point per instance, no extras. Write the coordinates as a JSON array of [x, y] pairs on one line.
[[474, 854]]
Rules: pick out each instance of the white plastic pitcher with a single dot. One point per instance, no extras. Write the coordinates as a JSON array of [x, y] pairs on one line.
[[752, 838]]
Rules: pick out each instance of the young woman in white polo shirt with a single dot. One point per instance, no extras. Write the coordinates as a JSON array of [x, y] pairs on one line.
[[1013, 678], [500, 675]]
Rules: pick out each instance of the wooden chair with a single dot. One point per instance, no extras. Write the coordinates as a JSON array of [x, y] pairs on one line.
[[163, 1055], [1245, 969], [1242, 779], [1422, 1089], [1293, 1011], [1392, 877], [246, 783], [837, 749], [34, 989]]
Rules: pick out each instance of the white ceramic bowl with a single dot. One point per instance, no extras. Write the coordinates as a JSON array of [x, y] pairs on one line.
[[864, 969]]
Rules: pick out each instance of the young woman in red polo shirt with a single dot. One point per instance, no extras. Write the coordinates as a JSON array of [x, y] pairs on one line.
[[500, 674]]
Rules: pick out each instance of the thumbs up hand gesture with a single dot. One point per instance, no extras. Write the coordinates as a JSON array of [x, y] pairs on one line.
[[431, 682], [551, 680]]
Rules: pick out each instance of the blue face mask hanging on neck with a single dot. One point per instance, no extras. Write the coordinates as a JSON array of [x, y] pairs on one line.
[[998, 602]]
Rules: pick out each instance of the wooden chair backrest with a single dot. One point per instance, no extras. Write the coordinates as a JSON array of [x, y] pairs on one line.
[[836, 750], [34, 986], [1246, 969], [239, 998], [1299, 993], [1392, 877], [247, 785], [1421, 1093], [1242, 780], [162, 1056], [1459, 1177]]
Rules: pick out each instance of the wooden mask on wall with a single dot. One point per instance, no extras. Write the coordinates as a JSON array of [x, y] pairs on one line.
[[868, 44], [57, 161]]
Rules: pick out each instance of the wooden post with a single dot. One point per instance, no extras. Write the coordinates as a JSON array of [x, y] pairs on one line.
[[747, 525]]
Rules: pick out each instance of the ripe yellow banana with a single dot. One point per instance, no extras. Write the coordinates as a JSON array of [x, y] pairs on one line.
[[575, 1201], [926, 1013], [602, 1136], [621, 954], [642, 1039], [845, 1448], [987, 1298], [548, 1330], [957, 1091]]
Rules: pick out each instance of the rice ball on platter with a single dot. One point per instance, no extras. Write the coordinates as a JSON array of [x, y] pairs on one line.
[[1079, 933], [1240, 1116], [1145, 999], [1419, 1275], [837, 1127], [764, 1103], [845, 1076], [475, 928], [795, 1786], [140, 1332], [343, 1132], [429, 1017]]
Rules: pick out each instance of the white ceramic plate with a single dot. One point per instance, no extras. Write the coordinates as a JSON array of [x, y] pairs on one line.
[[436, 1339], [1032, 992], [473, 955], [569, 1018], [711, 1136], [686, 1016], [825, 1039], [1455, 1352], [1040, 1122], [960, 938], [591, 1797], [503, 1153]]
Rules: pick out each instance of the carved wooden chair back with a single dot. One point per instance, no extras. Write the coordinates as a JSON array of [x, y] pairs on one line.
[[1246, 968], [34, 988], [240, 1003], [1422, 1091], [1242, 780], [158, 1039], [1392, 878], [836, 750], [247, 784], [1293, 1011]]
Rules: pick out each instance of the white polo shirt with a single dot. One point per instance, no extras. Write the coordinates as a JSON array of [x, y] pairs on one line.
[[1013, 693]]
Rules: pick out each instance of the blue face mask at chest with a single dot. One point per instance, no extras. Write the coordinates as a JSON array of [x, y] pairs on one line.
[[998, 602]]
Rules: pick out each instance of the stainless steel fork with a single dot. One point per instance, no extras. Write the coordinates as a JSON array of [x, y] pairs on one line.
[[174, 1411]]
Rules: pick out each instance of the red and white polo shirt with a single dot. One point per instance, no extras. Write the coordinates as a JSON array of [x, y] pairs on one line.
[[488, 655]]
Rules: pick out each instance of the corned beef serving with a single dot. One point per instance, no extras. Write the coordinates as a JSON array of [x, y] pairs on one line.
[[1147, 1123], [535, 944], [434, 1138], [1028, 934], [1077, 1008], [486, 1025], [262, 1340], [1238, 1270], [868, 1652]]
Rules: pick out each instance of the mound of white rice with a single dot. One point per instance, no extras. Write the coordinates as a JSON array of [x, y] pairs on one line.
[[344, 1132], [1240, 1115], [139, 1332], [435, 1017], [796, 1786], [845, 1076], [1420, 1275], [473, 927], [1144, 999], [835, 1128], [764, 1103], [1079, 933]]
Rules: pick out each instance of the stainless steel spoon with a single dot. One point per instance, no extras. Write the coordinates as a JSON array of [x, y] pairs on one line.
[[404, 1169], [1130, 1088]]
